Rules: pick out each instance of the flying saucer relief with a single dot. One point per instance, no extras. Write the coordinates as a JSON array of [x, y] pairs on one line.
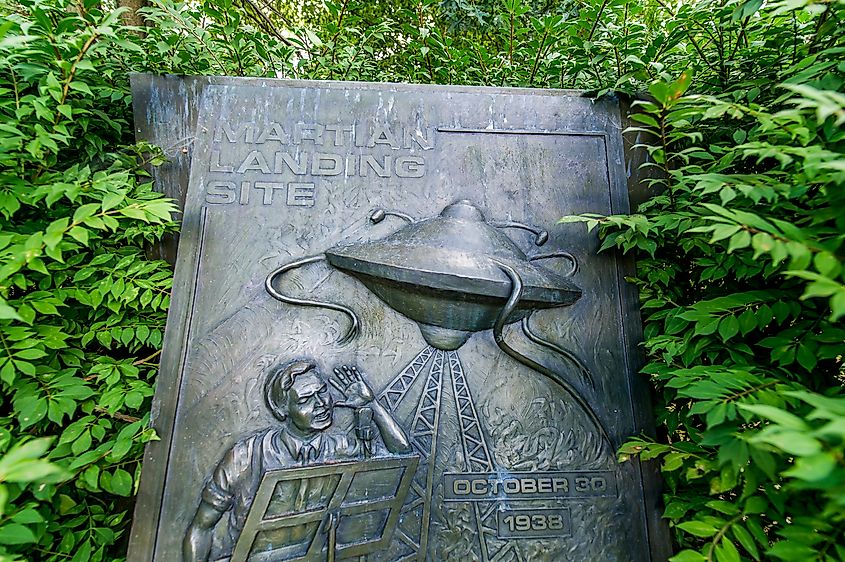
[[446, 273], [453, 275]]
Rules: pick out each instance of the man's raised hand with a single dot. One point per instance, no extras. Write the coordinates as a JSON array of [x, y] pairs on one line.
[[355, 390]]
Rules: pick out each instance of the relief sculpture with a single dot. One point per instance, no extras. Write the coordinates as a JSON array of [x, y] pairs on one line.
[[457, 274], [383, 346], [454, 275], [300, 397]]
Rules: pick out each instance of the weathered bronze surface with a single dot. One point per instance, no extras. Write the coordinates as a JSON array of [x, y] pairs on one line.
[[382, 346], [448, 272]]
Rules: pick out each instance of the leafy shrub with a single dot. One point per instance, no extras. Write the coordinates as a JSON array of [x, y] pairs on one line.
[[82, 309], [741, 277], [739, 251]]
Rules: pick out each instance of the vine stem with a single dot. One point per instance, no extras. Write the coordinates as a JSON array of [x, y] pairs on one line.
[[333, 40], [540, 51], [116, 415], [598, 18], [720, 535], [664, 143], [147, 358], [88, 44]]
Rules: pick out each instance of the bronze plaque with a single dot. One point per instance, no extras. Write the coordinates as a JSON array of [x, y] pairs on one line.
[[383, 346]]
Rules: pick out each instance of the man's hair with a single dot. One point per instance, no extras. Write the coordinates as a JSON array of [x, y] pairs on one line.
[[278, 385]]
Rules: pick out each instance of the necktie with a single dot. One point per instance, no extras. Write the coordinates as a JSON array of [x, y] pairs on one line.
[[307, 454]]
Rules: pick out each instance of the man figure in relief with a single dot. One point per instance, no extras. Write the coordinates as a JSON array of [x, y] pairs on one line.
[[298, 395]]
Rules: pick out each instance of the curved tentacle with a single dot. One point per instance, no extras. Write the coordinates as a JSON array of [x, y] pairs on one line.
[[353, 330], [379, 215], [582, 368], [513, 300], [559, 254]]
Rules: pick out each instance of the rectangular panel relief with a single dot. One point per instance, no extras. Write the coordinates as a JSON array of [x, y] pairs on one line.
[[383, 346]]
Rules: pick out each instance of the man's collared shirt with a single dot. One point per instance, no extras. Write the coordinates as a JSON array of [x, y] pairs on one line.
[[238, 475]]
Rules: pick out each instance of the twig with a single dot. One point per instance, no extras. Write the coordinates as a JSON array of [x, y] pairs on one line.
[[267, 23], [540, 51], [115, 415], [147, 358], [598, 18]]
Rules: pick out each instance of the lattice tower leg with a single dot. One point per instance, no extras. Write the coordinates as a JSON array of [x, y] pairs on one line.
[[477, 458], [398, 388], [423, 437]]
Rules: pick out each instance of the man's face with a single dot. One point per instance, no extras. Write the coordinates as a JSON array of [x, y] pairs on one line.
[[309, 403]]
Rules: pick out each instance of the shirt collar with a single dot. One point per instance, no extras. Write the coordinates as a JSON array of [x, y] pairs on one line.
[[298, 448]]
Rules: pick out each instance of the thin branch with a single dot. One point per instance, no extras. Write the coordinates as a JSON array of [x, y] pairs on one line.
[[147, 358], [598, 18], [540, 51], [115, 415], [265, 23]]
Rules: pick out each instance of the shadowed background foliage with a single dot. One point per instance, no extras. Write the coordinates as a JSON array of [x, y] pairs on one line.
[[739, 105]]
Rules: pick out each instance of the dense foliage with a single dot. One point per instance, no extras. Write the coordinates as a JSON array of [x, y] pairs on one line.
[[740, 274], [740, 250], [82, 309]]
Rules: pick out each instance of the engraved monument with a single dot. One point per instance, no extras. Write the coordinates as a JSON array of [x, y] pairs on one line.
[[383, 346]]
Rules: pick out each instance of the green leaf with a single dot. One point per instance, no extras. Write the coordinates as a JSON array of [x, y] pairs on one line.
[[777, 415], [7, 372], [747, 322], [112, 200], [728, 327], [31, 353], [23, 464], [827, 264], [688, 556], [91, 476], [31, 409], [133, 213], [837, 306], [28, 515], [755, 504], [85, 211], [121, 482], [790, 551], [724, 231], [726, 551], [82, 552], [728, 508], [673, 461], [698, 528], [127, 335], [792, 442], [645, 119], [7, 312], [744, 538], [708, 326], [121, 448], [81, 87], [813, 468], [675, 510], [82, 443], [15, 533], [739, 240], [134, 399], [79, 234]]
